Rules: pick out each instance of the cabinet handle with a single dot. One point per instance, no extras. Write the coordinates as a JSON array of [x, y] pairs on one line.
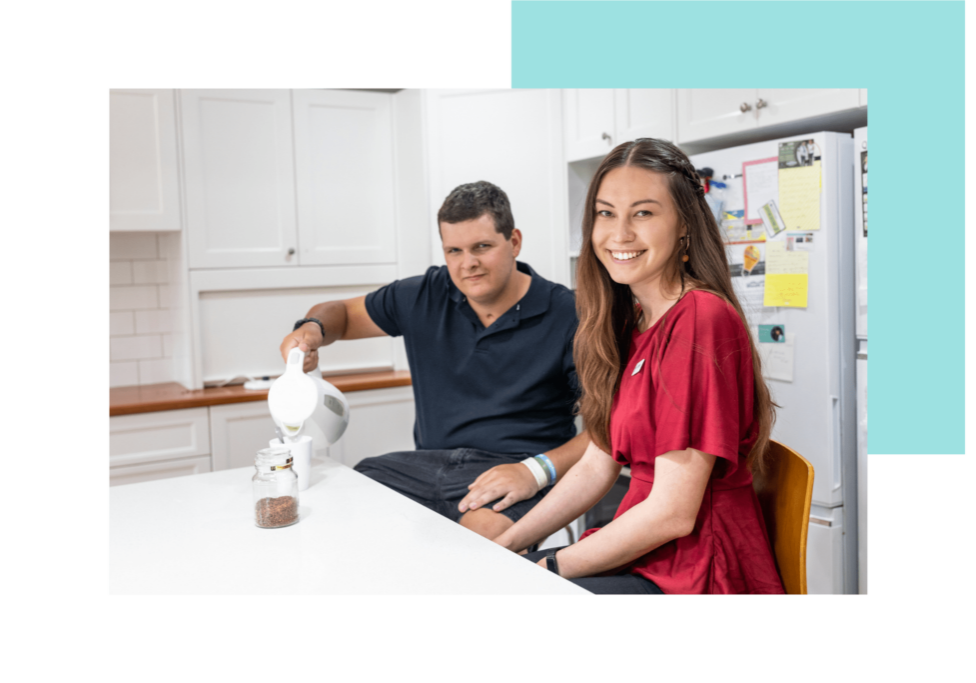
[[761, 103], [291, 251], [744, 107], [606, 137]]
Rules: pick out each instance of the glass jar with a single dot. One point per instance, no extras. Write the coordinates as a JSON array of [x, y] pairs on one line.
[[275, 486]]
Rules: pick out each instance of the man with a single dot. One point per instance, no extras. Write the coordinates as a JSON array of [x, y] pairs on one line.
[[490, 346]]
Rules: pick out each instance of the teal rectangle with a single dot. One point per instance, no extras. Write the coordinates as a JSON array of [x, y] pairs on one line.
[[772, 334], [910, 57]]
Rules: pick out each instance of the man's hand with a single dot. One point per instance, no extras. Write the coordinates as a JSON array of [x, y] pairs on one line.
[[308, 338], [515, 482]]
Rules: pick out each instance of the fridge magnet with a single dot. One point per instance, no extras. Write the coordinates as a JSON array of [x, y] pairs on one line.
[[759, 185], [771, 219], [772, 334], [799, 241]]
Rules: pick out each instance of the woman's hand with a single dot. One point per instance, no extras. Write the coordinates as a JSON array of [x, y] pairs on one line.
[[511, 483]]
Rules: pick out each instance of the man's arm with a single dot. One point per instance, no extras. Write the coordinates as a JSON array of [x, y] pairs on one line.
[[346, 319], [515, 482]]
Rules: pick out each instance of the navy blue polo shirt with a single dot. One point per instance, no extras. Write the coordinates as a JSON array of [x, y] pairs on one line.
[[508, 388]]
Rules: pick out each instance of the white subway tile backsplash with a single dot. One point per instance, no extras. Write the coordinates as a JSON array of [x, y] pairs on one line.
[[123, 374], [150, 273], [120, 273], [164, 301], [132, 245], [121, 323], [132, 298], [135, 348], [153, 322], [155, 371], [169, 342]]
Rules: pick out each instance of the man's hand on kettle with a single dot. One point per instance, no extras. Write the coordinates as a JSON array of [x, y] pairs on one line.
[[308, 338]]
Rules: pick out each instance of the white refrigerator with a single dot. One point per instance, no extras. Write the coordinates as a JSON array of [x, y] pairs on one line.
[[810, 362], [861, 270]]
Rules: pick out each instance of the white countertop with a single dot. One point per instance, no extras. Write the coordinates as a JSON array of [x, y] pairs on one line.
[[196, 535]]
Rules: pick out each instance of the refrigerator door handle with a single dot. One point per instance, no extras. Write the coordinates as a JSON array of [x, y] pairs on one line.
[[835, 432]]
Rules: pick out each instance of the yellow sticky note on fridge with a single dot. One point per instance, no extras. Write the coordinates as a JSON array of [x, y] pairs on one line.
[[799, 197], [786, 290]]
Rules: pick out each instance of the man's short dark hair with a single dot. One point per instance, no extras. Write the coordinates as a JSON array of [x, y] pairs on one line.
[[473, 200]]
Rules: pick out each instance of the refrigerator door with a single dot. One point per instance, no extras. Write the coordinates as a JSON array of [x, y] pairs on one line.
[[825, 552], [816, 409]]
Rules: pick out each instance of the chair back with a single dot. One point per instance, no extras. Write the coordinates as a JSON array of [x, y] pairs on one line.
[[785, 490]]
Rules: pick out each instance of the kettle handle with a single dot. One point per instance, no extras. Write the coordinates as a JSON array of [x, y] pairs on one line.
[[296, 357]]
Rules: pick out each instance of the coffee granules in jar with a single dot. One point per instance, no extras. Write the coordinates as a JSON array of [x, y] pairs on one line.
[[275, 512]]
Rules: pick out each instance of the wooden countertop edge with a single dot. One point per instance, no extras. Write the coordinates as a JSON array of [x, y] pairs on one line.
[[153, 398]]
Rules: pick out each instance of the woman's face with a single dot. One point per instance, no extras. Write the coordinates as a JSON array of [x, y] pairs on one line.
[[636, 229]]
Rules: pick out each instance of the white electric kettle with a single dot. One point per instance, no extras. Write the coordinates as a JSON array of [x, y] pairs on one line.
[[304, 403]]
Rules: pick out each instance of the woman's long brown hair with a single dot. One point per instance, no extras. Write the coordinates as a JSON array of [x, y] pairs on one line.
[[607, 314]]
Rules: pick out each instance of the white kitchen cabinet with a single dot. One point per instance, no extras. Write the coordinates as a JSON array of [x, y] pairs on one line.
[[793, 104], [706, 114], [380, 421], [344, 175], [238, 431], [512, 138], [240, 181], [597, 120], [133, 474], [863, 97], [710, 113], [153, 445], [143, 169]]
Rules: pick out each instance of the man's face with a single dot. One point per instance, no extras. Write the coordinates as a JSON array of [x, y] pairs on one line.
[[479, 259]]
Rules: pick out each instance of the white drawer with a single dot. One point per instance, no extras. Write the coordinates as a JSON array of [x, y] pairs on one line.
[[152, 437], [131, 474]]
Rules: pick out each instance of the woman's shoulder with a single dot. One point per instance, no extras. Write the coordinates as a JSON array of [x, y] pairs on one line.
[[706, 310]]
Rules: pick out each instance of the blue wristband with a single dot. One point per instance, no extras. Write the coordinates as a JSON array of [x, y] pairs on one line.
[[549, 467]]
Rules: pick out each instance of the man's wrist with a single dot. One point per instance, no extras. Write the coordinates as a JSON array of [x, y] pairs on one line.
[[538, 472], [314, 322]]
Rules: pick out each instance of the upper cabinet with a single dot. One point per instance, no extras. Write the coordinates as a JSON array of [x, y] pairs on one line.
[[344, 165], [240, 184], [711, 113], [143, 175], [597, 120]]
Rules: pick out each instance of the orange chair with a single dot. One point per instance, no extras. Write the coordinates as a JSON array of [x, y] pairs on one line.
[[784, 492]]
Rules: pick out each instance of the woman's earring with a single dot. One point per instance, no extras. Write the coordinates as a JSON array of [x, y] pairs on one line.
[[684, 257]]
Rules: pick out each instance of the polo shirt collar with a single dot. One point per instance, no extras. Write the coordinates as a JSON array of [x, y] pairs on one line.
[[535, 301]]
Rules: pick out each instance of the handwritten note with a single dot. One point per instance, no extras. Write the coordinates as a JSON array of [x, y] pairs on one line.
[[799, 197], [787, 276]]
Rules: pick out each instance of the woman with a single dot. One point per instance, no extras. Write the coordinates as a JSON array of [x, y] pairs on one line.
[[672, 388]]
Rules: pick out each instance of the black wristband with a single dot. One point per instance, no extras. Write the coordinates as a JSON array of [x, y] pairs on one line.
[[310, 320], [551, 563]]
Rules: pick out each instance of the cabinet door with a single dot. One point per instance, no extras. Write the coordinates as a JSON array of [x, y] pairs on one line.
[[512, 138], [238, 431], [240, 184], [344, 173], [589, 123], [153, 437], [710, 113], [143, 176], [644, 113], [793, 104], [380, 421], [132, 474], [863, 97]]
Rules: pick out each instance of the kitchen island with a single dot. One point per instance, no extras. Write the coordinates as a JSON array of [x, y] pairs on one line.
[[196, 535]]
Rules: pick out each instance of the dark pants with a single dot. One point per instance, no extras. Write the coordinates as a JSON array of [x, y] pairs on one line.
[[439, 479], [608, 585]]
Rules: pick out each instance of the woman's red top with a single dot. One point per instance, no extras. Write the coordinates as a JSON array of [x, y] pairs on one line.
[[694, 389]]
